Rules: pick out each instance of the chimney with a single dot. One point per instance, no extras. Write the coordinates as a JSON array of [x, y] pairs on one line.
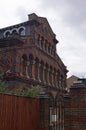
[[32, 16]]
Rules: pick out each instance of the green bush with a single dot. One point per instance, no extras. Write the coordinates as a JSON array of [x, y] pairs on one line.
[[3, 86], [34, 91], [30, 92]]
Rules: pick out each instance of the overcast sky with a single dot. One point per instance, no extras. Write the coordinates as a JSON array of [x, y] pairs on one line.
[[67, 19]]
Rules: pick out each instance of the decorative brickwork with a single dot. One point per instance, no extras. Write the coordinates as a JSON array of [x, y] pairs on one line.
[[28, 57]]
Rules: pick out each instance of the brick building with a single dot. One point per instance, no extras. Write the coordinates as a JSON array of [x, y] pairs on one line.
[[27, 58], [75, 106], [70, 81]]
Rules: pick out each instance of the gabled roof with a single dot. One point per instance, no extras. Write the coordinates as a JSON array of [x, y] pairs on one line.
[[34, 19], [44, 21]]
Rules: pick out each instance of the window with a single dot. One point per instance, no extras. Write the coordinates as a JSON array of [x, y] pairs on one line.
[[14, 32], [50, 75], [37, 69], [30, 69], [7, 34], [45, 46], [58, 78], [41, 71], [42, 42], [22, 31], [24, 63], [48, 49], [38, 39]]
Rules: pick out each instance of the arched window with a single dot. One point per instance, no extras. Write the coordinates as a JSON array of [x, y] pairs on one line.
[[50, 75], [58, 78], [14, 32], [36, 68], [46, 73], [21, 31], [46, 45], [24, 63], [41, 70], [42, 42], [7, 33], [62, 81], [48, 49], [51, 50], [30, 65], [54, 77], [38, 40]]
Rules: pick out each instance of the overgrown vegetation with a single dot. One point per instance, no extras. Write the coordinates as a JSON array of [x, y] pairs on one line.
[[34, 91], [3, 86], [30, 92]]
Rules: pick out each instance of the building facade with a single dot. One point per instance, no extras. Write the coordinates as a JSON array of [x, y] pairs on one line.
[[70, 81], [28, 57], [75, 106]]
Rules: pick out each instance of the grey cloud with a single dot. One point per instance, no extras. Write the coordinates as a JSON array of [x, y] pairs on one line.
[[72, 15], [72, 12], [67, 19]]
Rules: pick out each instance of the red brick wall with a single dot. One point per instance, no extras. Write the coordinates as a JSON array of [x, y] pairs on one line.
[[44, 109], [75, 109]]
